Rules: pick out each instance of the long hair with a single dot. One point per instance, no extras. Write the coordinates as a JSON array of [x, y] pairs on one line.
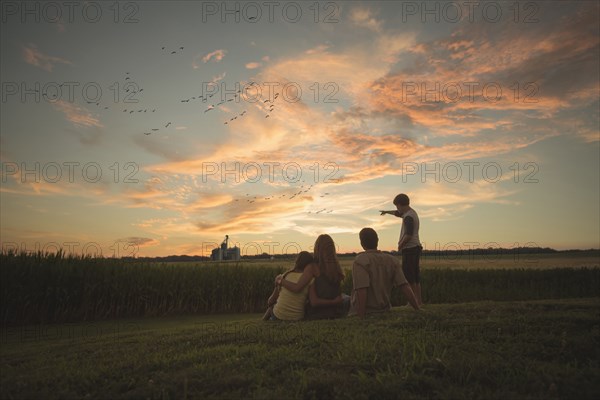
[[326, 258], [302, 260]]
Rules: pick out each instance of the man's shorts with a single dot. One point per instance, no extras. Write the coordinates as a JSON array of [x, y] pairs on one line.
[[410, 263]]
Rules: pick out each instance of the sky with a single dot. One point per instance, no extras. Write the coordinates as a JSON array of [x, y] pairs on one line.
[[153, 128]]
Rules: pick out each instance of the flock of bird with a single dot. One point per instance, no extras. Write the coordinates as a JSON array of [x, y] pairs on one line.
[[252, 199], [132, 89], [268, 106], [172, 51]]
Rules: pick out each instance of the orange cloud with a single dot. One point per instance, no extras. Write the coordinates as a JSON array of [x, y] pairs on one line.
[[372, 129], [138, 241], [216, 56], [33, 56], [78, 116], [253, 65], [451, 87]]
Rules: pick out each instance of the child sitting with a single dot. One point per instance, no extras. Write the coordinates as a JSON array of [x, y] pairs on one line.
[[304, 258]]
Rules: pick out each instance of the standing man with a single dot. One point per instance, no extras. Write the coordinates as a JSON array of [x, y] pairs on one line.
[[374, 273], [409, 244]]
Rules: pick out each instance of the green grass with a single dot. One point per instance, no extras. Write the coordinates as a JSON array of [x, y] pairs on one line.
[[545, 349]]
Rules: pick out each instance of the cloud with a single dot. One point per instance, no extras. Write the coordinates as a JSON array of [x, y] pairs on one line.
[[368, 135], [368, 140], [363, 18], [373, 130], [209, 201], [216, 56], [78, 116], [164, 227], [257, 217], [318, 49], [138, 241], [44, 187], [91, 136], [218, 78], [537, 74], [33, 56], [156, 146], [253, 65]]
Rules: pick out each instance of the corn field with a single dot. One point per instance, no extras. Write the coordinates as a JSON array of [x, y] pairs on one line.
[[56, 288], [49, 288]]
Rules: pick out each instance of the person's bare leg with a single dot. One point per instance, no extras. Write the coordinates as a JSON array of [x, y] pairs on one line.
[[414, 287], [417, 290], [409, 294], [268, 313]]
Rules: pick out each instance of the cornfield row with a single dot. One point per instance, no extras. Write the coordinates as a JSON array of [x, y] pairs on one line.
[[48, 288], [55, 288]]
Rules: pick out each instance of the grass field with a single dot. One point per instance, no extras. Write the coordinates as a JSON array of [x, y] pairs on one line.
[[547, 349]]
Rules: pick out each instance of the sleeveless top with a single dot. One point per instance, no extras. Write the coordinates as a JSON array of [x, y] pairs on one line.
[[290, 305]]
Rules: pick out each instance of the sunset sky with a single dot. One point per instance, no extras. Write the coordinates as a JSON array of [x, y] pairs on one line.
[[502, 101]]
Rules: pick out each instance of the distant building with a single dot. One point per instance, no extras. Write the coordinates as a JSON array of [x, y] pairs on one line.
[[223, 253], [233, 253]]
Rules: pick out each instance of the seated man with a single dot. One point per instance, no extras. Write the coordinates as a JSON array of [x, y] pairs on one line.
[[373, 275]]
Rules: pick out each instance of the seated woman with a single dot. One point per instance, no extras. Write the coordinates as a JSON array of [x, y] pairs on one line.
[[324, 278], [286, 305]]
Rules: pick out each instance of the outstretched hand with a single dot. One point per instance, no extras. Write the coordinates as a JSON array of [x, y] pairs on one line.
[[382, 212]]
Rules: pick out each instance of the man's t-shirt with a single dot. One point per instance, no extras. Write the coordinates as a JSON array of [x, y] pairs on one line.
[[378, 272]]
